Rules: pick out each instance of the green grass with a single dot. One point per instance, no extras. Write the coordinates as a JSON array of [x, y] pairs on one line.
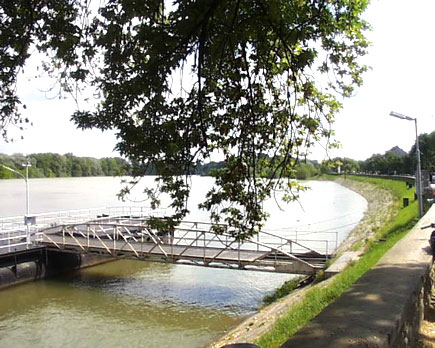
[[319, 297], [283, 290]]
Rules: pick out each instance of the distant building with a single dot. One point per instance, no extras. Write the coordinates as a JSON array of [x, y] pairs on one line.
[[397, 151]]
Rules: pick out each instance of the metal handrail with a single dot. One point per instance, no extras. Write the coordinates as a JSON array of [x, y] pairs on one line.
[[189, 242], [128, 229]]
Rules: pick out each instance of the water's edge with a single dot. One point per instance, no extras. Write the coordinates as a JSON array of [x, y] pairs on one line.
[[379, 201]]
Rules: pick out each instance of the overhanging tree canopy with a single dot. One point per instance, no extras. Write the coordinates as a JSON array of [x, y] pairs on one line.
[[247, 79]]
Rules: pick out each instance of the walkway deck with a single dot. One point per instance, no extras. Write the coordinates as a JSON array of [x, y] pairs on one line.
[[125, 232], [200, 256], [372, 311], [195, 244]]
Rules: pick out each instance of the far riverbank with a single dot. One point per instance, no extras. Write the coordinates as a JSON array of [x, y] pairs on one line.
[[379, 209]]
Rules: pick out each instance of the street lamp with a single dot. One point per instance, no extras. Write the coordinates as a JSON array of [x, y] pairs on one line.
[[417, 154], [26, 179]]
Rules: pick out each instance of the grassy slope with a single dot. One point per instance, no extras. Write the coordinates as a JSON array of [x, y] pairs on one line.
[[318, 298]]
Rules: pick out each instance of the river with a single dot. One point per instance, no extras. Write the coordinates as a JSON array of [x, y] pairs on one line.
[[131, 303]]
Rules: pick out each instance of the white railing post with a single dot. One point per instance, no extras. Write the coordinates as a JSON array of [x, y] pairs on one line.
[[172, 245], [238, 251], [204, 246], [141, 243]]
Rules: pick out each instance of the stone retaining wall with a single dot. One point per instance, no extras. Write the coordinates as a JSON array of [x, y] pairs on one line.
[[408, 327]]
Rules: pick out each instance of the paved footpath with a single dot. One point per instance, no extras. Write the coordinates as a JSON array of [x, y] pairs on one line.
[[367, 314]]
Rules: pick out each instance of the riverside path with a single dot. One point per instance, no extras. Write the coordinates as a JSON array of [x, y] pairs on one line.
[[379, 309]]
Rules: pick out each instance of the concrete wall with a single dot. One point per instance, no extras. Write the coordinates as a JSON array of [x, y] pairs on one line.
[[34, 265], [415, 310]]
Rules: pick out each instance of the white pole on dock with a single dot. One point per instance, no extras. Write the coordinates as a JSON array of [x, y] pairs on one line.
[[26, 179]]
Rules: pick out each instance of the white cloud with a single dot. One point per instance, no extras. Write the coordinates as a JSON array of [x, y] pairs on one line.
[[401, 79]]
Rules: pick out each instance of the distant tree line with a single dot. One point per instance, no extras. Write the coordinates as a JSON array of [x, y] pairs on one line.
[[50, 165], [391, 162], [304, 169]]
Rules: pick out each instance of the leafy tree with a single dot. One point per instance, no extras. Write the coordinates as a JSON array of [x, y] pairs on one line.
[[389, 163], [306, 170], [46, 165], [264, 76], [330, 165], [6, 174], [427, 152], [349, 165]]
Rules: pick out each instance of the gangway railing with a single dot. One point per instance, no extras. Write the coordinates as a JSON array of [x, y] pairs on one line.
[[190, 242], [20, 232], [125, 230], [295, 244]]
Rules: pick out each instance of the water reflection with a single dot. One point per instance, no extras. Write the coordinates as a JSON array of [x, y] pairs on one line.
[[103, 306], [233, 292]]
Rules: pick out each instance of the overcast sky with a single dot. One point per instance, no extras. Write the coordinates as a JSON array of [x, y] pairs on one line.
[[402, 57]]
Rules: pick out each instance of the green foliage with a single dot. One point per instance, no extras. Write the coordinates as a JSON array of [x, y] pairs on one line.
[[209, 168], [318, 298], [6, 174], [390, 163], [398, 188], [265, 78], [306, 170], [48, 165], [387, 164], [427, 151], [283, 290], [347, 165]]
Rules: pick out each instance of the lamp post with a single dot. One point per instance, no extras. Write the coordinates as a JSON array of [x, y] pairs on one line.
[[26, 179], [417, 154]]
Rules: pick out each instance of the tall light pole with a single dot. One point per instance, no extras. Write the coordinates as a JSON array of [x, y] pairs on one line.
[[26, 179], [417, 154]]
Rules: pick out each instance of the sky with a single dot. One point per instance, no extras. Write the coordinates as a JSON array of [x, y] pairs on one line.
[[402, 61]]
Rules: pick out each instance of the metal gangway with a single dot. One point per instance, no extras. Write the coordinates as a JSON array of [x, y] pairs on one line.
[[128, 234], [19, 233]]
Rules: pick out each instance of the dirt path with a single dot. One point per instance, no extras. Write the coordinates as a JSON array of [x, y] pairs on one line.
[[380, 204]]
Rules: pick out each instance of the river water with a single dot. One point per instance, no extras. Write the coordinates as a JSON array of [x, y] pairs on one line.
[[131, 303]]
